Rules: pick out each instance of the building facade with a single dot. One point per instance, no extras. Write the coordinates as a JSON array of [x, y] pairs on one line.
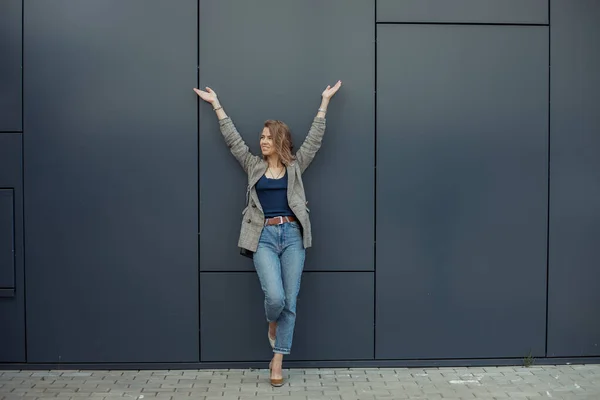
[[455, 201]]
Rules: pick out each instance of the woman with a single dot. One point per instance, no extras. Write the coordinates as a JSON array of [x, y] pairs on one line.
[[276, 225]]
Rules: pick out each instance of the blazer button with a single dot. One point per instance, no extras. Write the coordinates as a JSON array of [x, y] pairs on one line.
[[253, 205], [248, 220]]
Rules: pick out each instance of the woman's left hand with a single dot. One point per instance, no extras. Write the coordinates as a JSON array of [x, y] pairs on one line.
[[330, 91]]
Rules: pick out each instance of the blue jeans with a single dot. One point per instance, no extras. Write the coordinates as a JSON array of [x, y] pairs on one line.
[[279, 261]]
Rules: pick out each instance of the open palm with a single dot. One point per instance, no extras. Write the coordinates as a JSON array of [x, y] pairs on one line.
[[209, 96], [330, 91]]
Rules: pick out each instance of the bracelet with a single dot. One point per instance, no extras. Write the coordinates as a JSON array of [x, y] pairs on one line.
[[218, 108], [323, 110]]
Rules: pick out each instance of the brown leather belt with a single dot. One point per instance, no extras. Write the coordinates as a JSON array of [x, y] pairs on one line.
[[279, 220]]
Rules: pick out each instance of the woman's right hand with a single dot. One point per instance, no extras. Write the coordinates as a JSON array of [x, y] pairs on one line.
[[209, 96]]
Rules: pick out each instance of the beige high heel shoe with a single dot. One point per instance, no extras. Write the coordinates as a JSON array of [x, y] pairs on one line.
[[275, 382]]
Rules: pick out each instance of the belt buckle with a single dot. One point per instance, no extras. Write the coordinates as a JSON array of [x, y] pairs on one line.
[[282, 219]]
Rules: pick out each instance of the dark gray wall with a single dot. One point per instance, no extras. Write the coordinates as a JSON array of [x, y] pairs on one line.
[[574, 276], [272, 67], [453, 206], [12, 295], [464, 11], [462, 145], [11, 18], [111, 181], [12, 287]]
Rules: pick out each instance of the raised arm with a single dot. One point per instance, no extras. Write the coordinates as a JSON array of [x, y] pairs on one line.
[[233, 139], [306, 153]]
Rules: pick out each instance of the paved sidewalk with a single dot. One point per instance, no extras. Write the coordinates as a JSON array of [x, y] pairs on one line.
[[543, 382]]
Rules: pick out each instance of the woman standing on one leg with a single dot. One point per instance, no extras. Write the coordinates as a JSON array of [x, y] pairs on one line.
[[276, 226]]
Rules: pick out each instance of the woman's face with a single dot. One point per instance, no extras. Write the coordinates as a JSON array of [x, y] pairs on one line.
[[266, 143]]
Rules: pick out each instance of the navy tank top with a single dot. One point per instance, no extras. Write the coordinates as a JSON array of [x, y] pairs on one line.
[[272, 194]]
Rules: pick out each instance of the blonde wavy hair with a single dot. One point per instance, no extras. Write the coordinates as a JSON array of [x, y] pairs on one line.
[[282, 139]]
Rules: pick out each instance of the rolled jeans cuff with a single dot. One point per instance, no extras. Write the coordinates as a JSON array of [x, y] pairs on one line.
[[279, 350]]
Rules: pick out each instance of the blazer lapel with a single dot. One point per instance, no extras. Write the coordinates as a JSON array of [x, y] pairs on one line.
[[291, 172]]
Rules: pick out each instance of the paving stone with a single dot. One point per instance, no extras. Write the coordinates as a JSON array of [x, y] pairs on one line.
[[534, 383]]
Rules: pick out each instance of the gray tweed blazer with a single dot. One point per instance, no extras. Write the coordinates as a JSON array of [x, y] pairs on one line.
[[253, 216]]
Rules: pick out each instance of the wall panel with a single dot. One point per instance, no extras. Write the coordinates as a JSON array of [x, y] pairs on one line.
[[334, 317], [11, 50], [273, 64], [462, 159], [111, 181], [574, 276], [12, 299], [464, 11]]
